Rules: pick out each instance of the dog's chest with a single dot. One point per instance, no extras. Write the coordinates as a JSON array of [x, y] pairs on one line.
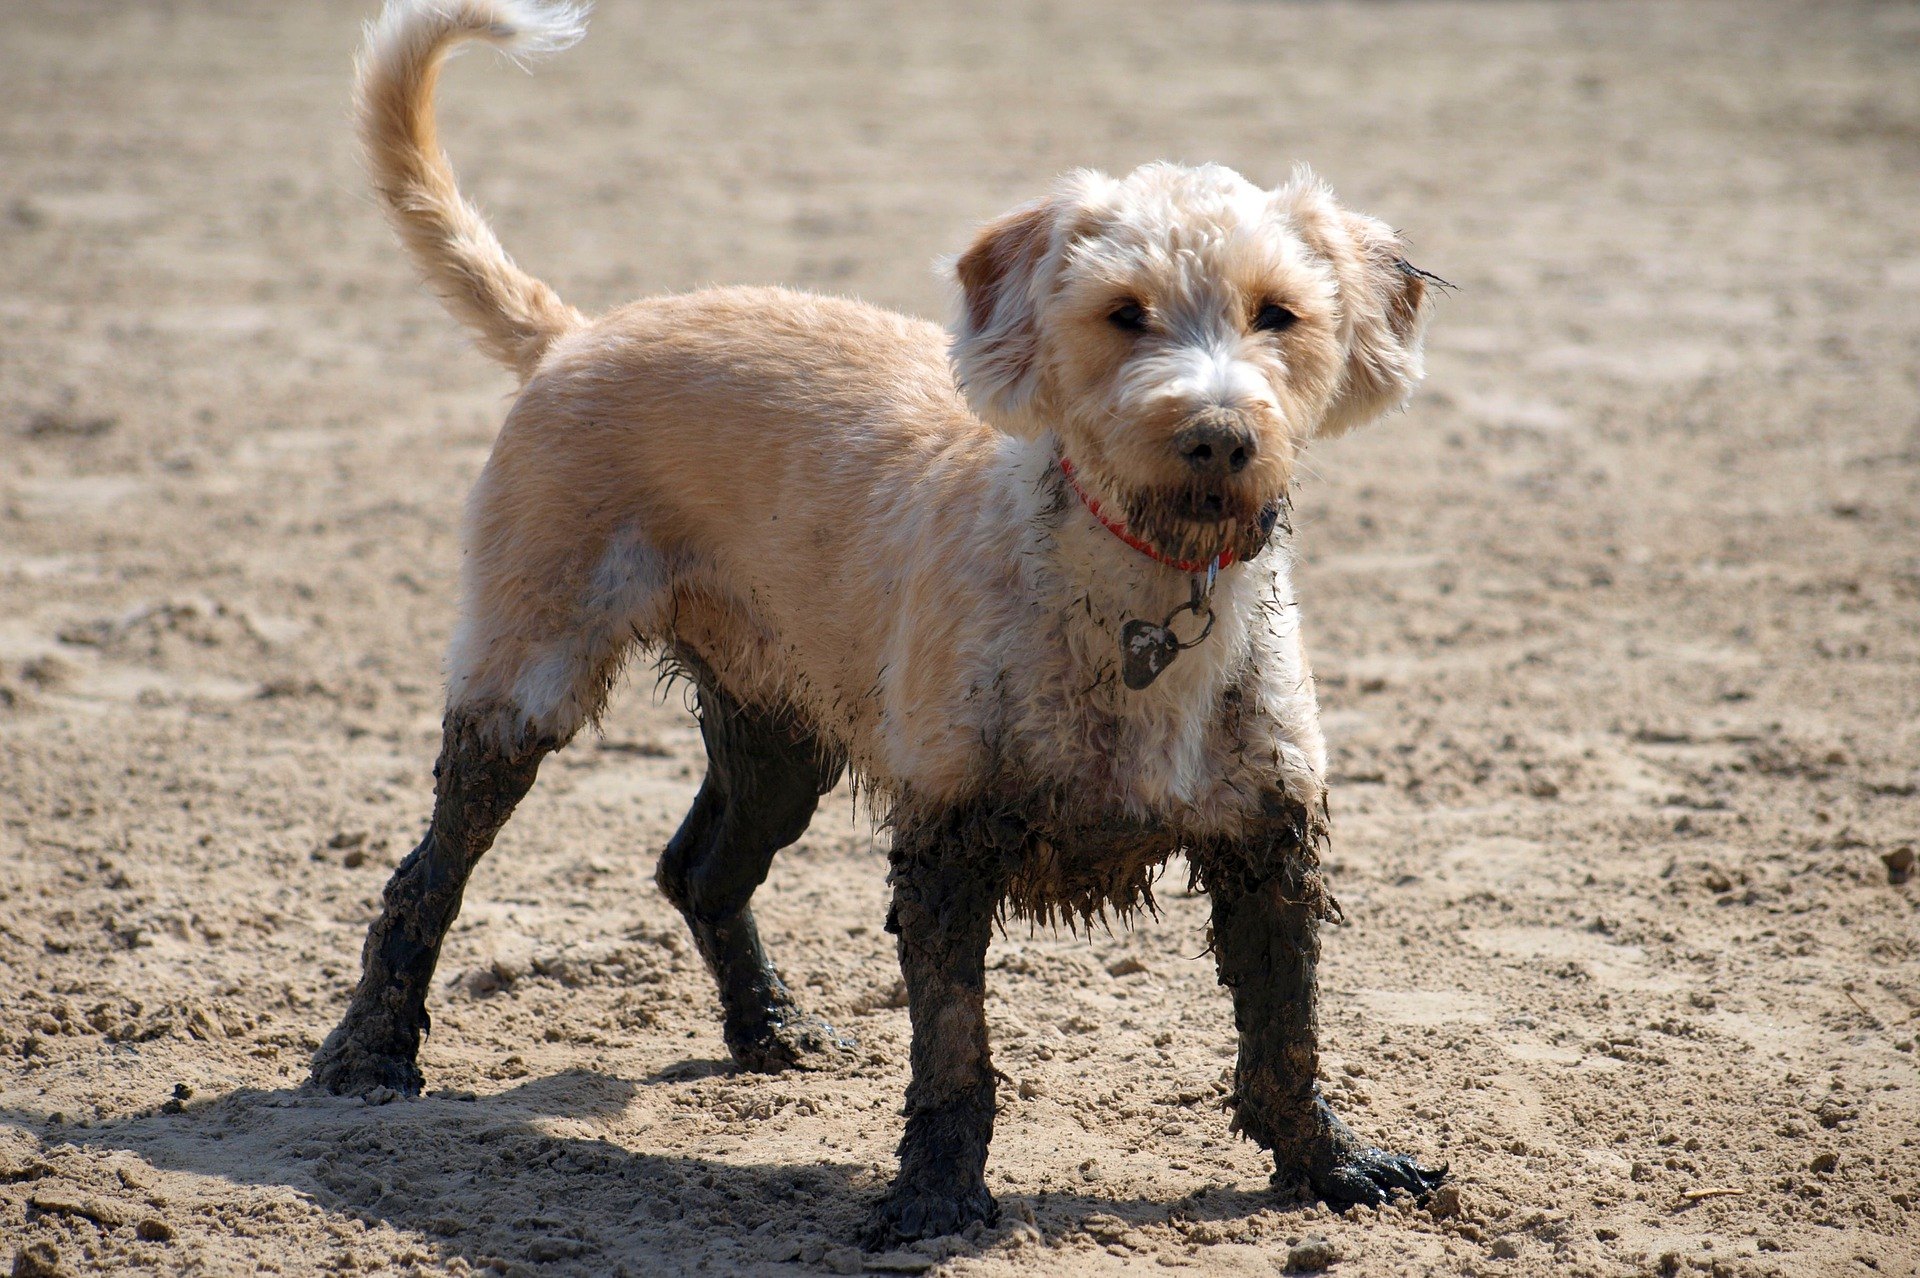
[[1221, 724], [1000, 667]]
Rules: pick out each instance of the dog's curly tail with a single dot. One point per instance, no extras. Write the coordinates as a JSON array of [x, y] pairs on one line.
[[515, 315]]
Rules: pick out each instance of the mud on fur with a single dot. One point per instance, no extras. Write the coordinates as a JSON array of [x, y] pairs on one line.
[[849, 529]]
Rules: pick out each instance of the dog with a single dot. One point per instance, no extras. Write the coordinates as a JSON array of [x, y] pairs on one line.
[[1028, 581]]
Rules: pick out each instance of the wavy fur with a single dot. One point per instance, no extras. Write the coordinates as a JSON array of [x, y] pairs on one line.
[[514, 316]]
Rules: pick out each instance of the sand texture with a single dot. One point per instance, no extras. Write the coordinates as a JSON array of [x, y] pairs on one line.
[[1618, 635]]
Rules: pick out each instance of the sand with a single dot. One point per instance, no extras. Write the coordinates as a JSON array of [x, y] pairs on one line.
[[1618, 633]]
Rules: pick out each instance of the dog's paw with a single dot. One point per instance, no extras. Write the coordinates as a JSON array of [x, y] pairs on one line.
[[909, 1212], [792, 1040], [345, 1069], [1365, 1176], [1338, 1168]]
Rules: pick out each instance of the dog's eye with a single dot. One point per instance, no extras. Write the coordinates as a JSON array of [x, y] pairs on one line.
[[1128, 317], [1274, 317]]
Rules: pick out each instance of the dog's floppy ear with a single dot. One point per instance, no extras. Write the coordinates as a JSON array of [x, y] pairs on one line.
[[996, 346], [1384, 304], [1005, 276]]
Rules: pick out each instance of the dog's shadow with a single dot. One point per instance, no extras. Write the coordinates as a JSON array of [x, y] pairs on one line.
[[495, 1180]]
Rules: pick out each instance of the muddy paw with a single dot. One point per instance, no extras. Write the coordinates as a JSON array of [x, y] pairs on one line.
[[1369, 1176], [346, 1069], [794, 1040], [908, 1213]]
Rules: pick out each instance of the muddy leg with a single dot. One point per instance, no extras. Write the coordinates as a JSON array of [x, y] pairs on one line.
[[1266, 942], [475, 790], [764, 779], [946, 888]]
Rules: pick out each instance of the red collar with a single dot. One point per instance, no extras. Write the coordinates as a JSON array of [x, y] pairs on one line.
[[1119, 530]]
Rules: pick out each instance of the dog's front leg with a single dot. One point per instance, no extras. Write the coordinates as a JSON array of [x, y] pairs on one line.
[[947, 881], [1267, 910], [476, 785]]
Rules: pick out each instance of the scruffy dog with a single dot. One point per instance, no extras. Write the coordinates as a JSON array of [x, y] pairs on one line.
[[1045, 617]]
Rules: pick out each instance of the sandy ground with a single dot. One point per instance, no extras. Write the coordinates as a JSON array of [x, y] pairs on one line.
[[1617, 632]]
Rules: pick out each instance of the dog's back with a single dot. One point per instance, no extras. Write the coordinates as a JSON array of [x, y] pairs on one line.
[[765, 475]]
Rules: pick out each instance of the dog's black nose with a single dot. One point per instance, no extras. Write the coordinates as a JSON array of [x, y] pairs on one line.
[[1216, 446]]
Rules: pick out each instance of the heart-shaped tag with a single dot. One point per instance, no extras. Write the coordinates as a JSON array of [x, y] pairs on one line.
[[1145, 650]]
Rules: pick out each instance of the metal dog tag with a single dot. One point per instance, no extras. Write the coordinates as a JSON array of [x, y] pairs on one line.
[[1146, 649]]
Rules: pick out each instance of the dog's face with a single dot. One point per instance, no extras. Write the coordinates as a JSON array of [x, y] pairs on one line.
[[1184, 333]]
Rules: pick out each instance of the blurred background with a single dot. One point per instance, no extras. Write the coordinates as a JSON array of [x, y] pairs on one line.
[[1616, 633]]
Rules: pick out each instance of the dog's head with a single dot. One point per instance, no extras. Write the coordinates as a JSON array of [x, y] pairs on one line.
[[1184, 333]]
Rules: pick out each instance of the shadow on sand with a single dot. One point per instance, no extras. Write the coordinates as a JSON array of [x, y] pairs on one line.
[[489, 1179]]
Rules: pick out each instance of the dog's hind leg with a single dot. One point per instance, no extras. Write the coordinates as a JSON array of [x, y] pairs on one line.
[[477, 782], [765, 776], [526, 673], [1268, 902]]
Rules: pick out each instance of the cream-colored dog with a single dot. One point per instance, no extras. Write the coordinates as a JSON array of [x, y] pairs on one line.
[[1025, 580]]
